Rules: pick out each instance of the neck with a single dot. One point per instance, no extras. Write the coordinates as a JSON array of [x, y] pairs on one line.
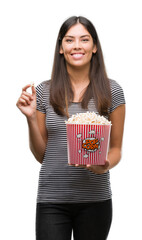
[[78, 75], [79, 78]]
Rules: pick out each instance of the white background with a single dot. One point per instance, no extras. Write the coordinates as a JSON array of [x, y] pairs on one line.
[[28, 32]]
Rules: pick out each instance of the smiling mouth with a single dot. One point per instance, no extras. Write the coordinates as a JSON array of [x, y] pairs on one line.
[[77, 55]]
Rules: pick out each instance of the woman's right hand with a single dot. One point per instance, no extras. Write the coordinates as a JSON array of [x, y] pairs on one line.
[[27, 102]]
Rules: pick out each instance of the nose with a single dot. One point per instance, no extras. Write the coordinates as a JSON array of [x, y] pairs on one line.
[[77, 44]]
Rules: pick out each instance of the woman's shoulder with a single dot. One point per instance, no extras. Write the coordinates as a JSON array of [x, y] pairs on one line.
[[44, 84], [43, 87], [114, 85], [116, 88], [117, 94], [42, 95]]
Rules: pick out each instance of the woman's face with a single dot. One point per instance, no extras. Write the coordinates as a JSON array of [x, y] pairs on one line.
[[77, 46]]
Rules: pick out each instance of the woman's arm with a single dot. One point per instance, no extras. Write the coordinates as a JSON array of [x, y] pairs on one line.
[[117, 118], [36, 122], [37, 135]]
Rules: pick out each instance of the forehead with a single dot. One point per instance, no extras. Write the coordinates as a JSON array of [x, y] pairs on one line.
[[77, 30]]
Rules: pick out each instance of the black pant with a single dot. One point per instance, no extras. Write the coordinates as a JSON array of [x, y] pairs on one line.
[[89, 221]]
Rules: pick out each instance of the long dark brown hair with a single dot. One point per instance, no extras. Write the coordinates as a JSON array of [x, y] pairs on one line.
[[61, 93]]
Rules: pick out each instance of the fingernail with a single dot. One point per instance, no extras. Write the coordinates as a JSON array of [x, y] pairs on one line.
[[76, 165]]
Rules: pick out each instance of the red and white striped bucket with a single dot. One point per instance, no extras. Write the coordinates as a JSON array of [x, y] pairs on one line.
[[87, 143]]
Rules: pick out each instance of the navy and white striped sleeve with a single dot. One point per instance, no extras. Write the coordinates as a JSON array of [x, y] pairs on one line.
[[40, 98], [117, 94]]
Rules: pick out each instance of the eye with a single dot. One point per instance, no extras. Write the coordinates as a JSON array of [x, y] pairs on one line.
[[85, 40], [68, 40]]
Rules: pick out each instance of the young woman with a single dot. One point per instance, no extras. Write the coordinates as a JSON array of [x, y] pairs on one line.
[[73, 197]]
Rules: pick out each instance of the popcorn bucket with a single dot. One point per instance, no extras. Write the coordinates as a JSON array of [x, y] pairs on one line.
[[87, 143]]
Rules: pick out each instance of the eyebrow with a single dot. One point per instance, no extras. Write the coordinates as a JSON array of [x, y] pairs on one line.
[[80, 37]]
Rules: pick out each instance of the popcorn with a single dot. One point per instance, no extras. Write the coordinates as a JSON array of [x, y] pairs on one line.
[[32, 84], [88, 118]]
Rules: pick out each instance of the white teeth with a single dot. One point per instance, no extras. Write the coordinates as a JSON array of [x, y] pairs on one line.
[[77, 54]]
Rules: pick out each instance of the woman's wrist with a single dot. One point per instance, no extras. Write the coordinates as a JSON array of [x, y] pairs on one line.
[[32, 118], [114, 156]]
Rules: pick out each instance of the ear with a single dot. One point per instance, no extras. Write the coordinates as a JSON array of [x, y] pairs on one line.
[[61, 50], [94, 49]]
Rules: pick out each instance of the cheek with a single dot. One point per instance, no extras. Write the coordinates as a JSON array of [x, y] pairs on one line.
[[67, 49], [89, 49]]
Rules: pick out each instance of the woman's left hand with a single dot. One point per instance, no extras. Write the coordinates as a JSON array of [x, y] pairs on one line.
[[98, 169]]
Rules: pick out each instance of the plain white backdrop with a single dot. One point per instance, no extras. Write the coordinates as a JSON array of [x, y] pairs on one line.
[[28, 32]]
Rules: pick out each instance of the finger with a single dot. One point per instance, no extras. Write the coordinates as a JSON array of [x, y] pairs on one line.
[[107, 164], [80, 165], [107, 161], [26, 87], [70, 164], [77, 165], [88, 165], [26, 99], [33, 90], [29, 95], [21, 102]]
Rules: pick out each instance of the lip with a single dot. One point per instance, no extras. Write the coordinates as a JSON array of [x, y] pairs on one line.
[[77, 53], [77, 56]]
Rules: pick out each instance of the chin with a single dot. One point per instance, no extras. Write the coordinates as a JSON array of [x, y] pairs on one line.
[[79, 65]]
